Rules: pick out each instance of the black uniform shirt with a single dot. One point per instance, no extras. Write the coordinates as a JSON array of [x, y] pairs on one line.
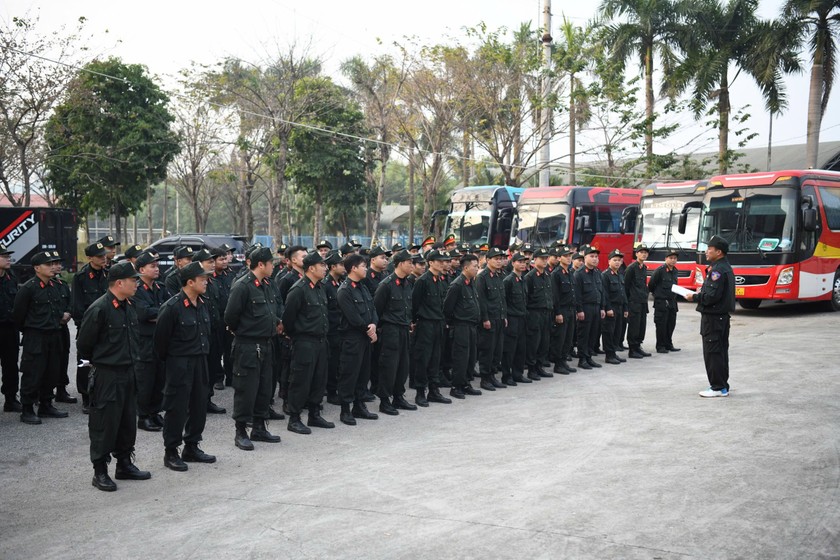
[[717, 296], [461, 303], [563, 289], [285, 283], [515, 295], [613, 284], [330, 287], [538, 290], [635, 285], [491, 295], [427, 297], [305, 313], [251, 309], [147, 301], [393, 301], [183, 329], [108, 334], [8, 291], [172, 281], [588, 289], [357, 309], [660, 285], [88, 286], [38, 305], [373, 279]]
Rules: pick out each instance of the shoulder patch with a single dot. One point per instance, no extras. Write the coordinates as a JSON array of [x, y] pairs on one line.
[[715, 276]]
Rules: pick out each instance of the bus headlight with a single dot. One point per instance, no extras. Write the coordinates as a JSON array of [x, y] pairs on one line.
[[698, 276], [785, 277]]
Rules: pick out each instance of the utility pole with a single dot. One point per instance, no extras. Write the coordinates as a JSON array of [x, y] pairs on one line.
[[545, 118]]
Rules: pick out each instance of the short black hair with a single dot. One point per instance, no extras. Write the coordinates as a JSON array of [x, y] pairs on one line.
[[469, 257], [353, 260], [294, 249]]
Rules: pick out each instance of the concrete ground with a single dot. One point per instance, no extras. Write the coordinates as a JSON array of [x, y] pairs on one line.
[[622, 462]]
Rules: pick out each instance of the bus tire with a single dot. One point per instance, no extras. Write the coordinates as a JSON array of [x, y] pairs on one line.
[[749, 303], [834, 302]]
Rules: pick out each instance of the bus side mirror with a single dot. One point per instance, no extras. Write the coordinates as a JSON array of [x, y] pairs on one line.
[[809, 219], [582, 223], [683, 224], [628, 219]]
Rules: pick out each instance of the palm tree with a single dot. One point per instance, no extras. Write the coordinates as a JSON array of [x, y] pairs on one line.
[[720, 42], [817, 21], [646, 28]]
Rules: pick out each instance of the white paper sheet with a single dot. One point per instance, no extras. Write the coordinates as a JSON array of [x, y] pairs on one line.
[[680, 291]]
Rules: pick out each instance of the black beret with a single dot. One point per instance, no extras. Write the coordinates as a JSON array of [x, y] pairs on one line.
[[133, 251], [122, 271], [311, 259], [191, 272]]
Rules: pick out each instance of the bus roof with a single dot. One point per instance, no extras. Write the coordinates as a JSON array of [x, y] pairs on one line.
[[772, 177], [676, 188], [482, 192], [581, 195]]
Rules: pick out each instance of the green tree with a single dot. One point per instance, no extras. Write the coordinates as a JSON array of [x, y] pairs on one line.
[[644, 28], [324, 164], [817, 22], [110, 139]]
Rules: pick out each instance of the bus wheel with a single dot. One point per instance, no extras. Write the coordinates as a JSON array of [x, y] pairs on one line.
[[834, 303], [749, 303]]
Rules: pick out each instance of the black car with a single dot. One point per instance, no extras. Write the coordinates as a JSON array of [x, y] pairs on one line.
[[166, 246]]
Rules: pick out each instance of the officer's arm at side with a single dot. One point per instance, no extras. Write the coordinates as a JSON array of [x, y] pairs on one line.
[[236, 303], [92, 324], [348, 309], [163, 330], [294, 300], [451, 301]]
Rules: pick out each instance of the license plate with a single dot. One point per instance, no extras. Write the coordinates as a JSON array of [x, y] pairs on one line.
[[739, 291]]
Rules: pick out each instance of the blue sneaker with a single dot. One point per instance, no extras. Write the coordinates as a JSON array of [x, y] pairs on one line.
[[711, 393]]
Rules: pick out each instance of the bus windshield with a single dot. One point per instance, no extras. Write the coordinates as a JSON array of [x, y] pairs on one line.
[[542, 224], [660, 224], [470, 221], [751, 220]]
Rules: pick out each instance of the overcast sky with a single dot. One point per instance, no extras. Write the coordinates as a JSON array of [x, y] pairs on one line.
[[168, 36]]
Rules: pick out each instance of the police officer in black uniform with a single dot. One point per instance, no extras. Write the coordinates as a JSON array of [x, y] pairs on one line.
[[462, 315], [665, 303], [251, 316], [715, 302], [331, 283], [9, 334], [513, 351], [132, 253], [110, 243], [213, 298], [149, 372], [358, 334], [591, 306], [182, 256], [38, 312], [61, 394], [294, 272], [108, 339], [182, 341], [540, 308], [393, 301], [306, 322], [89, 284], [635, 286], [490, 288], [615, 299], [223, 275]]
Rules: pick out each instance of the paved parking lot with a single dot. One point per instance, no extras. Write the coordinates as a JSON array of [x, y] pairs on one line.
[[622, 462]]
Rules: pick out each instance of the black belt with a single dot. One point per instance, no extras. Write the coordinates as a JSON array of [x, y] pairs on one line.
[[308, 338], [251, 340]]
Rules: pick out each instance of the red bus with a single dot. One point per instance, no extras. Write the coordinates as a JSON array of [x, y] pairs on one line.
[[657, 226], [599, 216], [783, 230]]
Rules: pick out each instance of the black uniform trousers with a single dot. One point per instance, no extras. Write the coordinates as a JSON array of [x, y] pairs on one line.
[[538, 332], [393, 360], [82, 373], [513, 351], [285, 367], [588, 330], [354, 366], [490, 346], [214, 358], [715, 332], [665, 319], [426, 352], [65, 357], [112, 421], [567, 341], [308, 373], [445, 370], [462, 337], [149, 379], [636, 326], [252, 377], [227, 360], [40, 365], [334, 344], [9, 344], [185, 399], [611, 332]]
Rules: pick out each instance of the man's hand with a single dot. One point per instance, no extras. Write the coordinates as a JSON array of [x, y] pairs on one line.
[[487, 325], [581, 316], [65, 318], [603, 314], [626, 314], [689, 297], [558, 319], [280, 327], [371, 331], [610, 313]]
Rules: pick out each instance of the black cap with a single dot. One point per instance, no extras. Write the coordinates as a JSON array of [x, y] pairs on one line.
[[312, 258], [577, 256], [377, 251], [324, 244], [201, 256], [108, 241], [355, 243], [122, 271], [402, 256], [519, 257], [640, 247], [281, 249], [672, 252], [333, 258], [397, 247], [191, 272], [250, 251], [615, 253], [435, 255], [225, 247], [589, 249], [146, 257], [183, 252], [364, 251], [415, 248], [495, 252], [541, 252], [718, 243], [260, 254], [347, 248], [564, 250], [44, 257], [95, 250], [133, 251], [218, 252], [5, 251], [527, 248]]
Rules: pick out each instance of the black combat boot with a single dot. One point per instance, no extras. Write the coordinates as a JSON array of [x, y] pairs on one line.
[[435, 396], [315, 419], [172, 460], [486, 384], [612, 359], [593, 363], [241, 439], [360, 410], [12, 405], [145, 423], [296, 426], [260, 433], [496, 383], [127, 470], [101, 479], [47, 410], [28, 415], [61, 395], [420, 399], [193, 454], [274, 415], [85, 403], [213, 408], [385, 407], [519, 378], [583, 364], [346, 417], [468, 390], [402, 404], [457, 392]]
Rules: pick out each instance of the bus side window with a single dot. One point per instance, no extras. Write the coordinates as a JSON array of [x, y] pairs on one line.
[[809, 238]]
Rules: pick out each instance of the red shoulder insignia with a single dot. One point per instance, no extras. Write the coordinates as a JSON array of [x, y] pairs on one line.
[[115, 303]]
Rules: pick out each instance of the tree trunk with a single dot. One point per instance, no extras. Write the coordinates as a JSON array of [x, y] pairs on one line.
[[380, 197], [814, 111], [770, 144], [465, 163], [319, 214], [165, 208], [649, 101], [723, 125], [572, 129], [149, 214], [411, 194], [118, 223]]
